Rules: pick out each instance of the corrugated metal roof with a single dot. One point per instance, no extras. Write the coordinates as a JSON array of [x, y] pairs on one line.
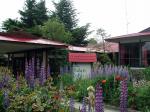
[[22, 38], [81, 49], [82, 57], [140, 35], [17, 43]]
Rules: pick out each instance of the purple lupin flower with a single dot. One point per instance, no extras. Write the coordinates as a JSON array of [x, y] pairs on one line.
[[38, 67], [30, 79], [71, 105], [6, 100], [123, 97], [5, 80], [26, 69], [83, 109], [89, 107], [1, 85], [32, 74], [42, 75], [48, 70], [99, 105]]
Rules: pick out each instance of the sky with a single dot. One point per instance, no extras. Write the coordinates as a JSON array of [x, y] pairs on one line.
[[116, 17]]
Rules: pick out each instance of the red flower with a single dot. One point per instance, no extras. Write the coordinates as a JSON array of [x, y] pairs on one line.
[[118, 78], [103, 81]]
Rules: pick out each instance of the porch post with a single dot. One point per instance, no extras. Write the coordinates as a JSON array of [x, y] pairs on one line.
[[140, 53], [119, 54], [45, 60], [8, 60]]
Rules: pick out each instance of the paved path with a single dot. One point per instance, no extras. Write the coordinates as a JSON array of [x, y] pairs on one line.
[[77, 105]]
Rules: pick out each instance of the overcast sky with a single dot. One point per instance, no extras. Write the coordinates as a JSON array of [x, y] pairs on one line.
[[107, 14]]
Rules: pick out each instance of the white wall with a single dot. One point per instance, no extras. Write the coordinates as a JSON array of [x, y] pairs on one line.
[[81, 70]]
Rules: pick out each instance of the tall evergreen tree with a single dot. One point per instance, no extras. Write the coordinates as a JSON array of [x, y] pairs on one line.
[[66, 13], [28, 15], [11, 25], [79, 35], [41, 11], [33, 13]]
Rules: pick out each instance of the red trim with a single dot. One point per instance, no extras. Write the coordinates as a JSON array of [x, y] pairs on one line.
[[24, 39], [82, 57]]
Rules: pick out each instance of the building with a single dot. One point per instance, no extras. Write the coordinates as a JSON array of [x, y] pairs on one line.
[[134, 49], [81, 64], [21, 47]]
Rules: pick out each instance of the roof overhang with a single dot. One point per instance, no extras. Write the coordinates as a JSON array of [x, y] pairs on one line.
[[135, 37], [11, 44], [10, 47]]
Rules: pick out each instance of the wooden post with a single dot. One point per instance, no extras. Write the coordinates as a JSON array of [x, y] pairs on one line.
[[8, 58], [140, 53], [119, 54], [45, 57]]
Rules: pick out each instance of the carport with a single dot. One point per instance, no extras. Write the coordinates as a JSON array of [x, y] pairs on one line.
[[21, 46]]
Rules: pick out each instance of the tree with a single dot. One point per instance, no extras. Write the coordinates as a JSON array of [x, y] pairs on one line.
[[41, 11], [104, 58], [55, 30], [92, 41], [11, 25], [79, 35], [28, 15], [33, 13], [102, 34], [66, 13]]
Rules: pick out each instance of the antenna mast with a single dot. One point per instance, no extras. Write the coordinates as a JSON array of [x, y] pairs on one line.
[[126, 16]]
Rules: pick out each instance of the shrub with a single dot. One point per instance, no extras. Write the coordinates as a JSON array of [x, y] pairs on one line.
[[67, 79], [104, 59], [146, 73], [81, 86]]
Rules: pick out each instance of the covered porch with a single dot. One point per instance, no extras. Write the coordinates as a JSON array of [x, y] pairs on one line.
[[22, 47], [134, 49]]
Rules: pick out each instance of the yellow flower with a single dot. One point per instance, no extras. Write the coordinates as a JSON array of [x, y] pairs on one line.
[[90, 88]]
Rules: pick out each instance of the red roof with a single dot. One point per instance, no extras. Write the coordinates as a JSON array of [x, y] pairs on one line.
[[111, 47], [28, 38], [139, 36], [82, 57]]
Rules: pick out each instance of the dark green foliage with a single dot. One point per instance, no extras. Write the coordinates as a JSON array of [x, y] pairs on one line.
[[92, 41], [81, 88], [67, 79], [142, 97], [41, 12], [33, 13], [66, 13], [104, 58], [146, 73], [1, 102], [79, 35], [11, 25], [55, 30], [36, 30], [28, 15]]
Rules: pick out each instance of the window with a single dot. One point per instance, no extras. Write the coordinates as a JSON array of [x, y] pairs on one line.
[[130, 54], [146, 53]]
